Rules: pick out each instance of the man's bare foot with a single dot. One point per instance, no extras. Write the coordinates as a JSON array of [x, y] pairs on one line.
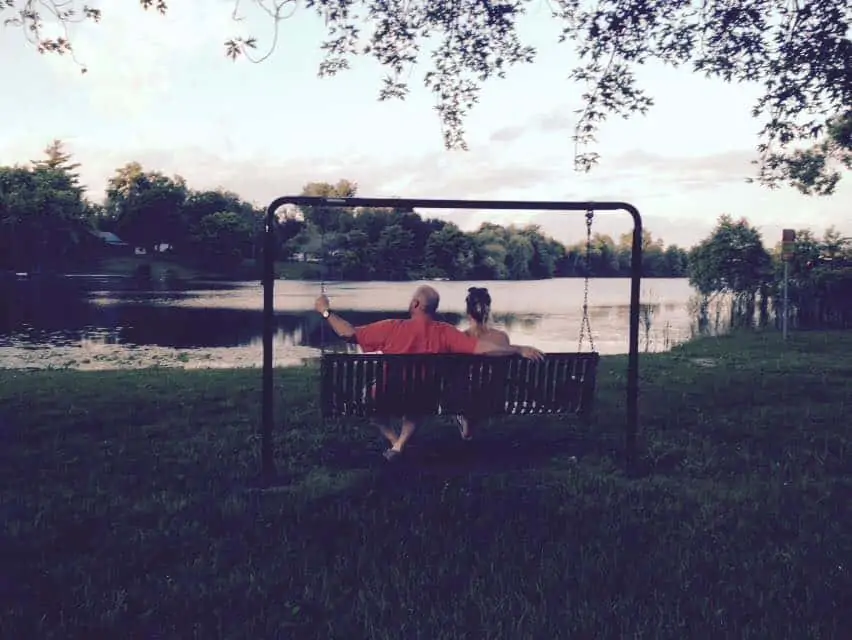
[[464, 428], [391, 454]]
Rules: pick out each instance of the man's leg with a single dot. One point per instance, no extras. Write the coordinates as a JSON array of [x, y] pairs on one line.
[[408, 429], [387, 432]]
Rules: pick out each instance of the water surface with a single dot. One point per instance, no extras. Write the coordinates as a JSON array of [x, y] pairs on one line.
[[97, 322]]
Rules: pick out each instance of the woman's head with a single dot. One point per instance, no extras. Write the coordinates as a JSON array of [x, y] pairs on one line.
[[478, 304]]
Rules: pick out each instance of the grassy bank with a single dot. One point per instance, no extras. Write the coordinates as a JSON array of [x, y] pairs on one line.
[[124, 514], [162, 267], [165, 266]]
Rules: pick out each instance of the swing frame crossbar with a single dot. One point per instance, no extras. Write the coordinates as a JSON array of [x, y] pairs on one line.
[[267, 463]]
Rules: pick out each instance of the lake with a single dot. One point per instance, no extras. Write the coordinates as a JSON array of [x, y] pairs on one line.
[[101, 322]]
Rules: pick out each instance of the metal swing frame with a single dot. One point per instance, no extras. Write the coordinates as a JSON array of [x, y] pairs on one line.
[[267, 463]]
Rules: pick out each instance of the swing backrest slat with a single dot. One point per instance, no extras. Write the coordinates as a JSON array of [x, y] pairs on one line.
[[364, 385]]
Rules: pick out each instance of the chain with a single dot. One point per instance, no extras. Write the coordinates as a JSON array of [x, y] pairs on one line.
[[585, 325], [322, 288]]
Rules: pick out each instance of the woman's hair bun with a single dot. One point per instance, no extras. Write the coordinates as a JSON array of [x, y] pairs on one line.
[[478, 303]]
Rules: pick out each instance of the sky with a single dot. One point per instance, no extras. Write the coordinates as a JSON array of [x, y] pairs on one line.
[[160, 91]]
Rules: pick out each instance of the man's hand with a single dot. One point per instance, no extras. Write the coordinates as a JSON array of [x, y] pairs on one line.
[[321, 304], [531, 353]]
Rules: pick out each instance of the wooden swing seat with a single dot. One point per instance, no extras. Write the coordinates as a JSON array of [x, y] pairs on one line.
[[365, 385]]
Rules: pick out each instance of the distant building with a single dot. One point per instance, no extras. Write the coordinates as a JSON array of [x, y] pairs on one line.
[[304, 257], [162, 247], [109, 238]]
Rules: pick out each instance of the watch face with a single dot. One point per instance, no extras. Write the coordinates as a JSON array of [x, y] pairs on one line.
[[326, 313]]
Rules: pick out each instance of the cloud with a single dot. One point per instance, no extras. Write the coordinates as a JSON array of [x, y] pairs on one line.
[[680, 198], [130, 55], [429, 175], [507, 134], [687, 172], [561, 119]]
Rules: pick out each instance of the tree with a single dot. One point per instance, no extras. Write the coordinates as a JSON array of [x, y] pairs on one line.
[[147, 207], [57, 159], [353, 261], [224, 239], [732, 261], [819, 280], [655, 260], [800, 52], [676, 261], [42, 218], [815, 170], [200, 205], [490, 252], [604, 256], [327, 219], [449, 253], [394, 255], [519, 254], [546, 253]]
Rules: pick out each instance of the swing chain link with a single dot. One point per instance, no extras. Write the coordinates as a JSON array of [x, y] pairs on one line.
[[585, 325], [322, 289]]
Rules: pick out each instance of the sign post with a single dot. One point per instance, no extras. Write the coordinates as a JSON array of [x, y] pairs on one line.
[[788, 248]]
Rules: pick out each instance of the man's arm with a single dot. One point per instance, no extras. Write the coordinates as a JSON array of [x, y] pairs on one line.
[[341, 327], [486, 348], [459, 342], [370, 337], [374, 336]]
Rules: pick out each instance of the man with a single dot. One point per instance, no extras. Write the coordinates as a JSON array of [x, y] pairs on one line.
[[421, 333]]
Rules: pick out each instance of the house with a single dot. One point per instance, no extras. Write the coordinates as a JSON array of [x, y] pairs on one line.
[[162, 247], [110, 239], [107, 243]]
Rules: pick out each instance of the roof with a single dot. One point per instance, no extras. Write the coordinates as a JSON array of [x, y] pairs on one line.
[[109, 237]]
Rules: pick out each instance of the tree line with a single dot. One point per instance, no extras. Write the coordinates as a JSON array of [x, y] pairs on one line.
[[394, 244], [733, 263], [47, 222]]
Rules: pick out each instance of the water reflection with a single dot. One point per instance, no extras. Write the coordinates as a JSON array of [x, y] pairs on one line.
[[98, 322]]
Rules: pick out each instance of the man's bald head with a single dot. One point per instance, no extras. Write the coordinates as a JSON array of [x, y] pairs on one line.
[[425, 300]]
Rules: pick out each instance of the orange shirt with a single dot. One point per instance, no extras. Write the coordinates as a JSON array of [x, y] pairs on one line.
[[414, 335]]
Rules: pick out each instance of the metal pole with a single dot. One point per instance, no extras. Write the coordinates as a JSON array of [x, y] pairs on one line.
[[633, 343], [785, 313], [267, 463]]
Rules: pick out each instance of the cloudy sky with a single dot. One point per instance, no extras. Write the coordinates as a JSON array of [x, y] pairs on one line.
[[159, 90]]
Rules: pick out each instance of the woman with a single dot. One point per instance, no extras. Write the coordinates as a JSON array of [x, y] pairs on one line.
[[478, 308]]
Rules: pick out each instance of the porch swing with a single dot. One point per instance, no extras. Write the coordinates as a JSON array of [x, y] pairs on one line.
[[382, 385]]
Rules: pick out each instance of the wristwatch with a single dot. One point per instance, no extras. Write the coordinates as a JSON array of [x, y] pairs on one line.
[[326, 313]]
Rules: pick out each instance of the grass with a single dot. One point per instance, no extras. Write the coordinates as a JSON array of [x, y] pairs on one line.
[[160, 266], [125, 516], [298, 270]]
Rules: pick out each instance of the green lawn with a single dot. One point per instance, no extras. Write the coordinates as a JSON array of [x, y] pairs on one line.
[[125, 514]]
